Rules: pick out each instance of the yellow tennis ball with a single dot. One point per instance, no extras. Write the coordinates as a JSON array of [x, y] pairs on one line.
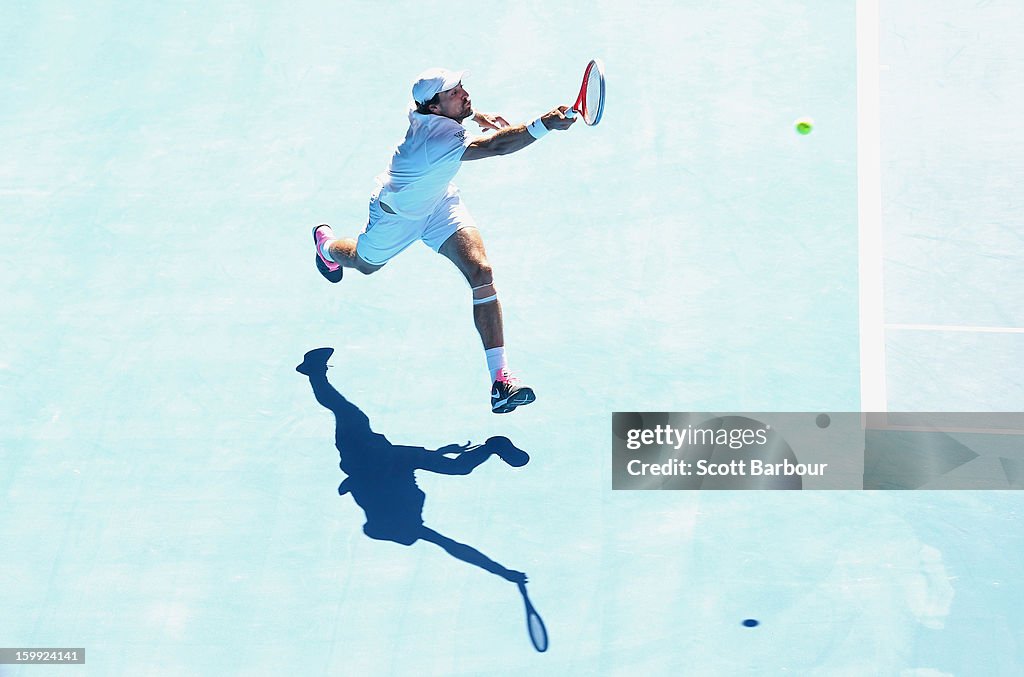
[[804, 125]]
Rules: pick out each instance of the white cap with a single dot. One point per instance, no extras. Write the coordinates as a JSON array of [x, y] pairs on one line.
[[435, 80]]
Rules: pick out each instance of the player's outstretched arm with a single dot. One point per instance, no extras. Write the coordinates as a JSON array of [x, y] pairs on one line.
[[517, 137]]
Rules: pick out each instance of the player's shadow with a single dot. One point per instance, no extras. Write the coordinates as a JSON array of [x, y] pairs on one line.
[[382, 476]]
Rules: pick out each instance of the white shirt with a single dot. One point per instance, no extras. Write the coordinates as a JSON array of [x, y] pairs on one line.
[[423, 165]]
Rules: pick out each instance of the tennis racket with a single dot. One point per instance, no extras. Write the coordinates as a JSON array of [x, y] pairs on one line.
[[534, 623], [590, 102]]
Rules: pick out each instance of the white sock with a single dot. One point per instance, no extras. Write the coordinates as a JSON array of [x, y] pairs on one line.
[[496, 361], [325, 249]]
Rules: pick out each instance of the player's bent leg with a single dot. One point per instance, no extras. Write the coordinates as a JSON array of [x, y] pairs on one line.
[[345, 253], [333, 255], [465, 248]]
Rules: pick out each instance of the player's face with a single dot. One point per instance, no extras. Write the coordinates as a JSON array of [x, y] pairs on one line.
[[454, 103]]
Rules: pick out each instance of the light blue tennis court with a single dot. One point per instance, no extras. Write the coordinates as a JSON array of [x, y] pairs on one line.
[[169, 483]]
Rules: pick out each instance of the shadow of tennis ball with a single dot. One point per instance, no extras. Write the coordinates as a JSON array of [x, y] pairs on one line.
[[823, 420]]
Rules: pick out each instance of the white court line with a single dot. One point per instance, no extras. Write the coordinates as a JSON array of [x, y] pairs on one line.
[[869, 210], [955, 327]]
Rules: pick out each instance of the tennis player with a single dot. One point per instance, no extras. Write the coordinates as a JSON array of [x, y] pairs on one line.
[[416, 200]]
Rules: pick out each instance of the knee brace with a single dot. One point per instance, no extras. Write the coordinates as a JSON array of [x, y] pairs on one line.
[[486, 299]]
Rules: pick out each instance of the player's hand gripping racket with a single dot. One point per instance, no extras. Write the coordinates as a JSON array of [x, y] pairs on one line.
[[534, 624], [590, 102]]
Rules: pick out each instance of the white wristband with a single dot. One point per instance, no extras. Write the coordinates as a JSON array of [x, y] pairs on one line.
[[537, 128]]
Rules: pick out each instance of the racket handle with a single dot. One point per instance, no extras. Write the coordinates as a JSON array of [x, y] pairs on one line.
[[571, 113]]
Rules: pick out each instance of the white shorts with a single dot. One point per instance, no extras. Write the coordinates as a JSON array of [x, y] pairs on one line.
[[386, 235]]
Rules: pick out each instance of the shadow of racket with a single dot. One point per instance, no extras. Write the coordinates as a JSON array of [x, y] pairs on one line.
[[534, 623]]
